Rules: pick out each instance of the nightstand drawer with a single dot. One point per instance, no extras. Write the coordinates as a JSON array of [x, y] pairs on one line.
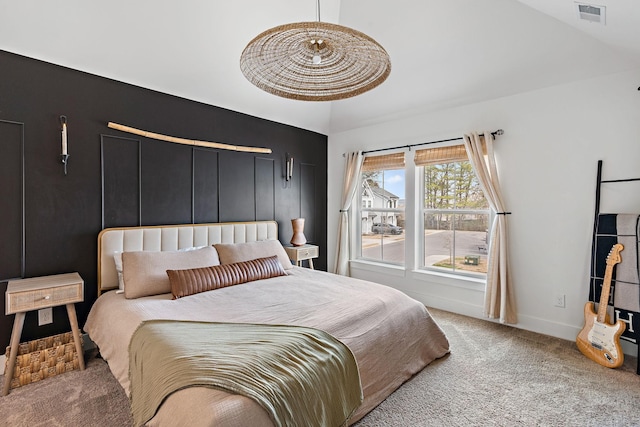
[[37, 293], [310, 252], [33, 300], [299, 253]]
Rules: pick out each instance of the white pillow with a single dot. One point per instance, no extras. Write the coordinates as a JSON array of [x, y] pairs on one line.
[[117, 259], [194, 248]]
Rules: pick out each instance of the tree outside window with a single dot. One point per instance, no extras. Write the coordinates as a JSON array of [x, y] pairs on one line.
[[455, 219]]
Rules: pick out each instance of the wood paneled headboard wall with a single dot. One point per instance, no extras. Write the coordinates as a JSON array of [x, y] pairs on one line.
[[50, 221]]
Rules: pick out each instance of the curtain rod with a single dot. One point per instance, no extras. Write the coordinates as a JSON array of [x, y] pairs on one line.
[[498, 132]]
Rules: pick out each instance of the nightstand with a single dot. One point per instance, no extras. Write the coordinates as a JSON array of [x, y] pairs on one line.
[[41, 292], [298, 254]]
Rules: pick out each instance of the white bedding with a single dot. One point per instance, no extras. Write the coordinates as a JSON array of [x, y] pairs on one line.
[[391, 335]]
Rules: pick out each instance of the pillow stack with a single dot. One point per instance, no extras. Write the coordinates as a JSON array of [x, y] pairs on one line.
[[186, 272]]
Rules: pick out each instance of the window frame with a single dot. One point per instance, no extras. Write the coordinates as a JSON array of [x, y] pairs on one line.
[[414, 250], [362, 210], [422, 212]]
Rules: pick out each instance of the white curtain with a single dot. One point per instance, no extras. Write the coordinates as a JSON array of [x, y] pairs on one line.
[[350, 184], [499, 297]]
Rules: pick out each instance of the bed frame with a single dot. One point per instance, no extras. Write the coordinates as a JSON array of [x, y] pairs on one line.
[[390, 350], [172, 238]]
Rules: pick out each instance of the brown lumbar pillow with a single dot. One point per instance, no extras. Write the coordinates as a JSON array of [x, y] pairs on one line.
[[195, 280]]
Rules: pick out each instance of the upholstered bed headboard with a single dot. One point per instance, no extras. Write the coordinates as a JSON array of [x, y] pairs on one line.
[[172, 238]]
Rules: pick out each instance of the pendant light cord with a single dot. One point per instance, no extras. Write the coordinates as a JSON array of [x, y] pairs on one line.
[[318, 10]]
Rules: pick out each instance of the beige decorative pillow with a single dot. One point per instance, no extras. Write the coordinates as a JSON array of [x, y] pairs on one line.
[[196, 280], [238, 252], [145, 272]]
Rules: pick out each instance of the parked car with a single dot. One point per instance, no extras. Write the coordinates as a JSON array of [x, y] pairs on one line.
[[379, 228]]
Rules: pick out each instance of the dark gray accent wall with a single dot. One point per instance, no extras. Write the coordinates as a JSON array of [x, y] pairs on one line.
[[11, 198], [49, 222]]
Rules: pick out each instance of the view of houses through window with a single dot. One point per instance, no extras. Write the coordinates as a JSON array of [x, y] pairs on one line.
[[454, 217], [382, 216]]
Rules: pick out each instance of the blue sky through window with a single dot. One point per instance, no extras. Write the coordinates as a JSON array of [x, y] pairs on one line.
[[394, 182]]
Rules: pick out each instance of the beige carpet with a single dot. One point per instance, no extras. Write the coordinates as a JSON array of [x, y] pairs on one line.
[[495, 376], [498, 375]]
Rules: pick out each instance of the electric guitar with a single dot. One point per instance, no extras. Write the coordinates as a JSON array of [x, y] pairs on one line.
[[599, 340]]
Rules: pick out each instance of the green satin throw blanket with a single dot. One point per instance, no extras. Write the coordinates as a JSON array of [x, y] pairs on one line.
[[300, 376]]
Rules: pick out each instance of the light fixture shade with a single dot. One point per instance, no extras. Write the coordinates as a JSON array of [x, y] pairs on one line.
[[281, 61]]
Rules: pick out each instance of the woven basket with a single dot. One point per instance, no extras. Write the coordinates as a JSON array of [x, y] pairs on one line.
[[43, 358]]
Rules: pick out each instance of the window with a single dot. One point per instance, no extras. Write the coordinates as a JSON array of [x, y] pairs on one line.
[[455, 214], [382, 209], [451, 217]]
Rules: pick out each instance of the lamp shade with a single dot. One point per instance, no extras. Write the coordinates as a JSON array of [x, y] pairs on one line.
[[314, 61]]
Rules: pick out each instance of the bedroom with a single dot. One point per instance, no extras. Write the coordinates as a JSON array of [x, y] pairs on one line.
[[564, 106]]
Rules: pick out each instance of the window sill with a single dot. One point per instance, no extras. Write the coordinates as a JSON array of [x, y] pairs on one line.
[[378, 267], [434, 277], [466, 282]]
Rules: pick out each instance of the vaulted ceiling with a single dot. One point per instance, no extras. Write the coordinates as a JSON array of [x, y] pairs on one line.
[[444, 53]]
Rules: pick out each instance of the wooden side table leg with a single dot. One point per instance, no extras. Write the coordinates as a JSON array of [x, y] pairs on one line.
[[311, 263], [73, 320], [18, 323]]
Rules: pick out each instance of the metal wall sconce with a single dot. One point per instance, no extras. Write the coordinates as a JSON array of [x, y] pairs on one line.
[[289, 171], [65, 152]]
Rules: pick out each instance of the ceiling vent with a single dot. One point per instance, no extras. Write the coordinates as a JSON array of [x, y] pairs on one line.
[[591, 13]]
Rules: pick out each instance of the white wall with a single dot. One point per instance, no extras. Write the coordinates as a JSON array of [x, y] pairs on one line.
[[547, 162]]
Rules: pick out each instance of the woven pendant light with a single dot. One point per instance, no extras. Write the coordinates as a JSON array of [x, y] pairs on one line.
[[315, 61]]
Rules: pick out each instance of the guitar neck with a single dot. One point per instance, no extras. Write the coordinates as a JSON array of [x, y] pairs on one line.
[[604, 294]]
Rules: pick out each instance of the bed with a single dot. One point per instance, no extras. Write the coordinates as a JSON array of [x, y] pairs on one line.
[[391, 336]]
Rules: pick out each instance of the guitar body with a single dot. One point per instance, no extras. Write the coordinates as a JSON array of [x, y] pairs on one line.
[[600, 341]]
